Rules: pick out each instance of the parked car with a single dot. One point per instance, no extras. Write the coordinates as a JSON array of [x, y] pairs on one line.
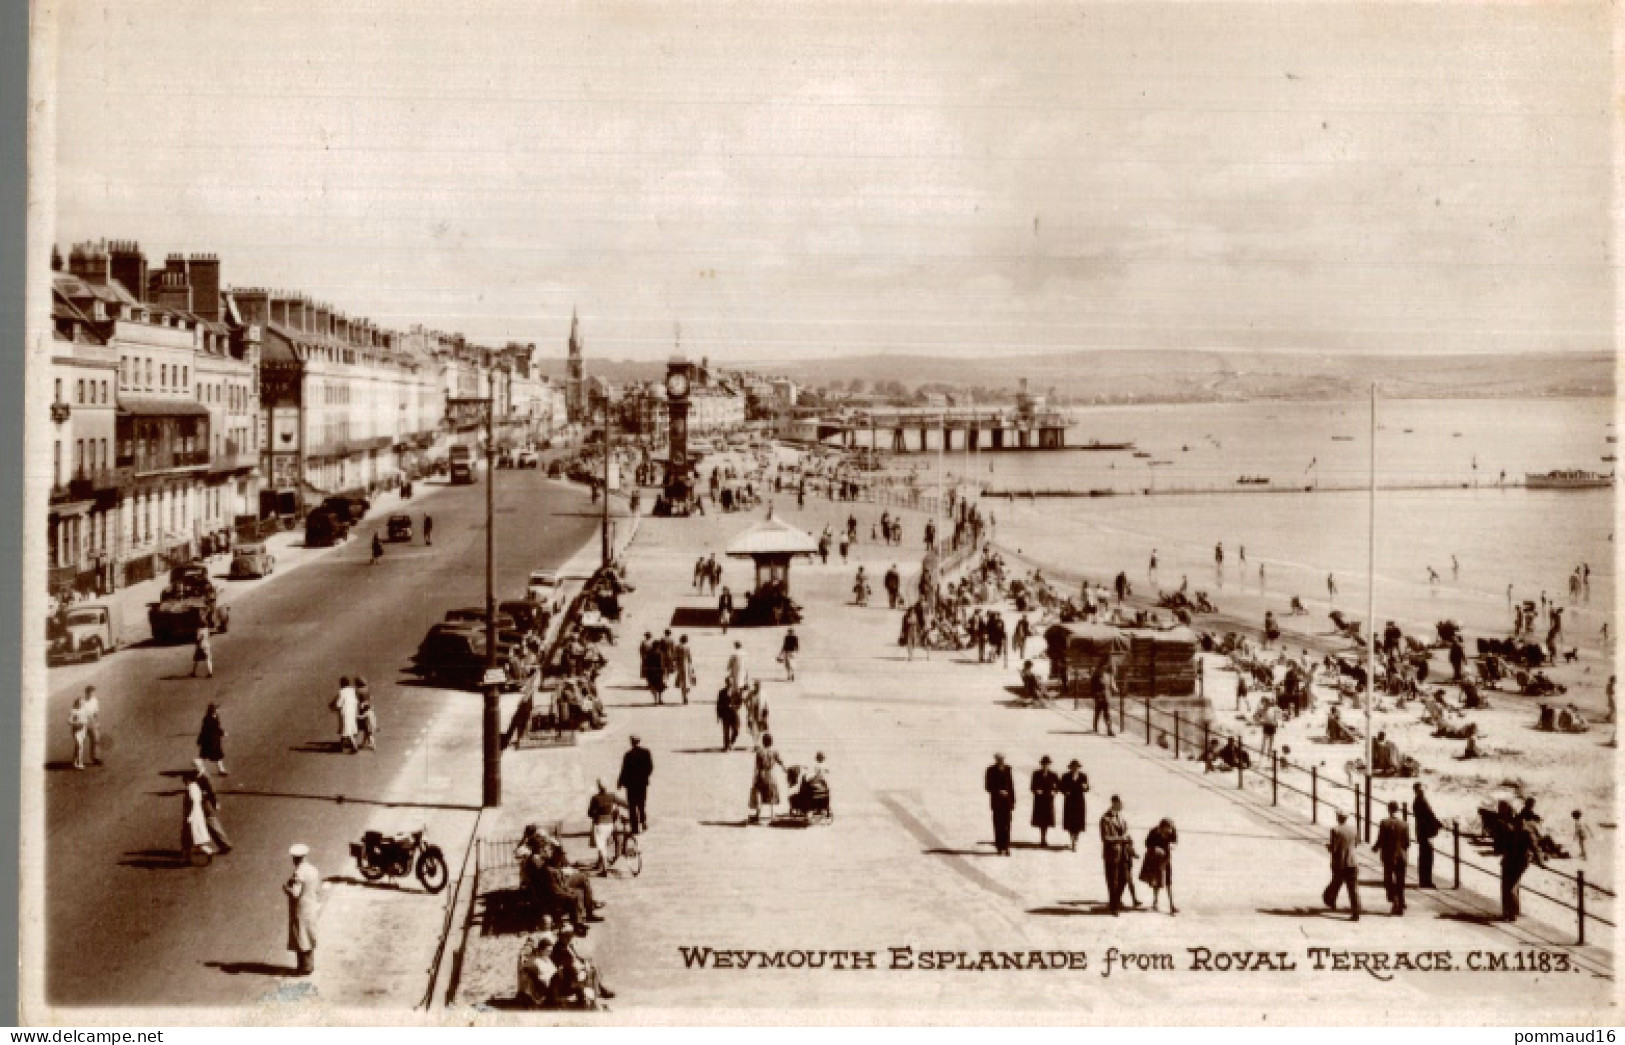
[[454, 655], [190, 578], [527, 459], [347, 507], [251, 560], [84, 633], [528, 615], [323, 529], [544, 586], [399, 527]]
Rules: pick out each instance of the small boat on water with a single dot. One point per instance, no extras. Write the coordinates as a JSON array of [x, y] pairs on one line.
[[1253, 480], [1342, 439], [1567, 479], [1141, 453], [1096, 444], [1155, 463], [1408, 431], [1607, 457]]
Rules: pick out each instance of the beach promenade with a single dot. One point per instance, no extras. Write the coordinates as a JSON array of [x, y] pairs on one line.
[[908, 861]]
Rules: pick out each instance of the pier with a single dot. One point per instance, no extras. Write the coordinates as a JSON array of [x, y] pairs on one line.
[[1028, 425]]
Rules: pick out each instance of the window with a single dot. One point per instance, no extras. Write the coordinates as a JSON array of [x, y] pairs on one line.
[[58, 398], [149, 372], [163, 375], [79, 457], [104, 455], [79, 393], [123, 371], [184, 372], [56, 463]]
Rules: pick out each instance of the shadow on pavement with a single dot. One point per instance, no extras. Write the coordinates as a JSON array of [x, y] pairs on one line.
[[319, 747], [1306, 912], [1472, 917], [726, 823], [960, 852], [350, 799], [253, 968], [704, 750], [388, 886], [695, 617], [1079, 911], [156, 860]]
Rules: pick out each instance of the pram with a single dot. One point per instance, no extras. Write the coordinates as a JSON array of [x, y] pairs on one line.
[[809, 797]]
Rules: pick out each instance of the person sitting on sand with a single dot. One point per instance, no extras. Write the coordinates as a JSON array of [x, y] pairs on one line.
[[1336, 732], [1471, 751], [1569, 720]]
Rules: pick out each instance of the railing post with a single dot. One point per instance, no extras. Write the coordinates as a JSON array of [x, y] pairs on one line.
[[1455, 848], [1203, 753], [1241, 775], [1357, 827], [1580, 901], [1367, 835], [1176, 734], [1275, 778], [1314, 794], [1148, 720]]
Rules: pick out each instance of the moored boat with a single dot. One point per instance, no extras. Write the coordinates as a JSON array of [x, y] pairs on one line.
[[1567, 479]]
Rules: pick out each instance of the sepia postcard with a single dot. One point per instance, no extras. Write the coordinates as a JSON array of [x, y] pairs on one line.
[[993, 512]]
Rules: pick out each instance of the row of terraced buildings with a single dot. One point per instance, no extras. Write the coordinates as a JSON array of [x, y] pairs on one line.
[[186, 416]]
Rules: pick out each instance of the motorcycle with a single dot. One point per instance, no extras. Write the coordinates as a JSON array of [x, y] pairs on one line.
[[378, 854]]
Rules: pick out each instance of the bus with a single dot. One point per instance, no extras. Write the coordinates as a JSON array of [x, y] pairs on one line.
[[462, 465]]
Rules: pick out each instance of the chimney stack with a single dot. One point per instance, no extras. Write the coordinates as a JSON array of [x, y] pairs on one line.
[[203, 273], [89, 262], [129, 266]]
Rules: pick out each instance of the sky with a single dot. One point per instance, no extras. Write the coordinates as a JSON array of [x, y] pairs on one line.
[[803, 180]]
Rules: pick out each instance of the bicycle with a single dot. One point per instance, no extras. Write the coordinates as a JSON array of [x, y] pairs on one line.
[[624, 848]]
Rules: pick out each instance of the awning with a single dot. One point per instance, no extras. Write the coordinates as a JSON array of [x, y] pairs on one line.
[[772, 537], [159, 406]]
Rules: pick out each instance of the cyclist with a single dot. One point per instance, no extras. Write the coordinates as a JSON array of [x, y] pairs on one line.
[[602, 809]]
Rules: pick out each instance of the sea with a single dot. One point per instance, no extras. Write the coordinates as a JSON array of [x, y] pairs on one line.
[[1448, 501]]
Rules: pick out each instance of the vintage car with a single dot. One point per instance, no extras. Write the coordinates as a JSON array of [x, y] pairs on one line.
[[251, 560], [528, 616], [454, 655], [526, 459], [399, 528], [544, 586], [177, 616], [347, 507], [83, 633], [323, 529]]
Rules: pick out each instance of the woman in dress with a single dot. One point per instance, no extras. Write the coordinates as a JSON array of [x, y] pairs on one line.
[[1074, 808], [764, 786], [1044, 785], [195, 825], [1157, 870], [211, 739]]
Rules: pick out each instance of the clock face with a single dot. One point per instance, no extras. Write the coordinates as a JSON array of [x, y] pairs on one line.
[[677, 385]]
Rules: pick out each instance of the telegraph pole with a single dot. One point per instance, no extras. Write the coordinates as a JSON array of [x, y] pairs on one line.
[[604, 528], [493, 697]]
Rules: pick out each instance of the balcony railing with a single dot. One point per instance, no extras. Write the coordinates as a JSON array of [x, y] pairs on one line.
[[150, 463]]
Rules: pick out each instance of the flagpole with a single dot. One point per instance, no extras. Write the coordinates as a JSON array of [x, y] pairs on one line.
[[1370, 606]]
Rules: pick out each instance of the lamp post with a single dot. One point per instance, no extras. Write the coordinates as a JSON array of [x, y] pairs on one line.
[[609, 423], [491, 681], [493, 697]]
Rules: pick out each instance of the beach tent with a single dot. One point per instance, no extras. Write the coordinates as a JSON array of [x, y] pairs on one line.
[[1162, 663], [1077, 649], [771, 544]]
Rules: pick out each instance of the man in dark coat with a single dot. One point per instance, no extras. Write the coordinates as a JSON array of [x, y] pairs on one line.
[[1518, 850], [1117, 852], [1001, 794], [1427, 829], [1044, 786], [1344, 845], [1104, 687], [1394, 845], [637, 766]]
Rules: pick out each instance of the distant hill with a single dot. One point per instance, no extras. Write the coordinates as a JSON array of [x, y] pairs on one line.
[[1201, 376], [1179, 375]]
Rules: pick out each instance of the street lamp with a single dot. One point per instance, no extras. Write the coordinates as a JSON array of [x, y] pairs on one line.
[[491, 681]]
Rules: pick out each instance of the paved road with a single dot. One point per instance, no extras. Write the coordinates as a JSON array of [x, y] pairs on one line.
[[128, 922]]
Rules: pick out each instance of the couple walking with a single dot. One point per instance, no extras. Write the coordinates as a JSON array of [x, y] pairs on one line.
[[357, 721]]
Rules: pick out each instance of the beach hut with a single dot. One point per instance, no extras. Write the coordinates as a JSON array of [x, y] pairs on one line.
[[771, 544], [1076, 650]]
